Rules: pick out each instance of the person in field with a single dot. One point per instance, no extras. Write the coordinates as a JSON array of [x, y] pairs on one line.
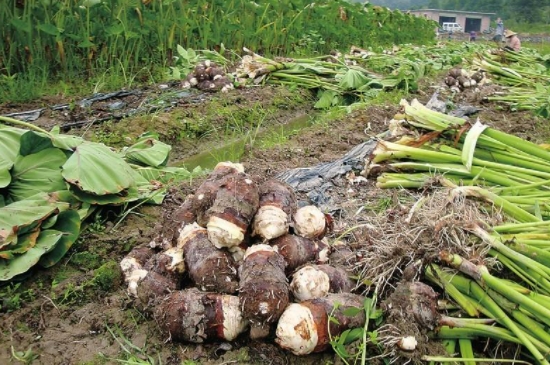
[[499, 31], [473, 36], [512, 41]]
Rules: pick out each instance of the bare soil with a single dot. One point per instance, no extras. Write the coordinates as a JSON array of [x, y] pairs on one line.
[[79, 312]]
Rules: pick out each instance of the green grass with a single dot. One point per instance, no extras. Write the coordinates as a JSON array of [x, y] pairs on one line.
[[275, 138], [528, 28], [14, 296], [131, 354], [542, 48]]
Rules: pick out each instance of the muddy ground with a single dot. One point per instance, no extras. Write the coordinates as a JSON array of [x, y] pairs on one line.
[[79, 313]]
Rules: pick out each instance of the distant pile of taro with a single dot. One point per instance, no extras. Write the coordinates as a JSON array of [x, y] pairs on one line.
[[359, 75]]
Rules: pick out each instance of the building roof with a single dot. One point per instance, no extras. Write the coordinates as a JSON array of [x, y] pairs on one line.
[[450, 11]]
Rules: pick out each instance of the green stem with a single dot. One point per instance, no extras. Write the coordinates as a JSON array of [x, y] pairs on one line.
[[466, 360], [21, 123], [434, 274], [466, 350]]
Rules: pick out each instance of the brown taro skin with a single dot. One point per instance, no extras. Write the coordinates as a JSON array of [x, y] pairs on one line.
[[153, 287], [297, 250], [315, 281], [308, 326], [338, 277], [141, 254], [206, 193], [181, 315], [280, 200], [342, 255], [194, 316], [183, 216], [264, 289], [210, 268], [160, 263], [168, 229], [185, 213], [278, 193], [237, 200]]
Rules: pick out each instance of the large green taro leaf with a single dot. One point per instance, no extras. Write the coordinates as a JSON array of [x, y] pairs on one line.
[[166, 174], [67, 222], [148, 152], [33, 142], [65, 201], [65, 141], [93, 168], [10, 142], [22, 263], [126, 196], [9, 149], [24, 243], [152, 182], [5, 176], [22, 216], [37, 172]]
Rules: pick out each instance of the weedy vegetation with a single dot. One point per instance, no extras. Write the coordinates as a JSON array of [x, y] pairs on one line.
[[107, 43]]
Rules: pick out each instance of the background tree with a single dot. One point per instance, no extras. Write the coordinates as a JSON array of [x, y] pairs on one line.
[[529, 10]]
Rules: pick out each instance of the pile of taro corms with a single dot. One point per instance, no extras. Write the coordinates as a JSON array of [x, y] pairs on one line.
[[246, 259]]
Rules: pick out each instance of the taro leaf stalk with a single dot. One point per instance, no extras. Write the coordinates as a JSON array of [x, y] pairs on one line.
[[498, 309], [487, 281]]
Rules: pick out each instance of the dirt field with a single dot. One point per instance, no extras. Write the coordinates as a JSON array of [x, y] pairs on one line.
[[79, 312]]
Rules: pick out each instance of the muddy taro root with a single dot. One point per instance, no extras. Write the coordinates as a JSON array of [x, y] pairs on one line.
[[304, 327], [194, 316], [157, 277], [298, 250], [263, 290], [315, 281], [277, 205], [310, 222], [206, 193], [169, 228], [210, 268], [132, 267], [233, 209], [147, 286], [341, 254], [184, 215], [168, 263]]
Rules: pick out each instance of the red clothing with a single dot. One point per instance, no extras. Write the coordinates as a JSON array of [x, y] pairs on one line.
[[514, 42]]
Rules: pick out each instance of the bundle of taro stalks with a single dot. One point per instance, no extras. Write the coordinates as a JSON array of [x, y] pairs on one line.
[[245, 258], [524, 76], [497, 273]]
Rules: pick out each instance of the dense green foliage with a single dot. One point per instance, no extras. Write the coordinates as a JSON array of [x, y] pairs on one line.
[[83, 38]]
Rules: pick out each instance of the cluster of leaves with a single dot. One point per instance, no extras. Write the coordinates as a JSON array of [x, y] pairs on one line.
[[50, 183], [353, 344]]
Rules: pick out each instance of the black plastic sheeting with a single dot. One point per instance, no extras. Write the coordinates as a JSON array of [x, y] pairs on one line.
[[118, 108], [316, 181], [462, 111]]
